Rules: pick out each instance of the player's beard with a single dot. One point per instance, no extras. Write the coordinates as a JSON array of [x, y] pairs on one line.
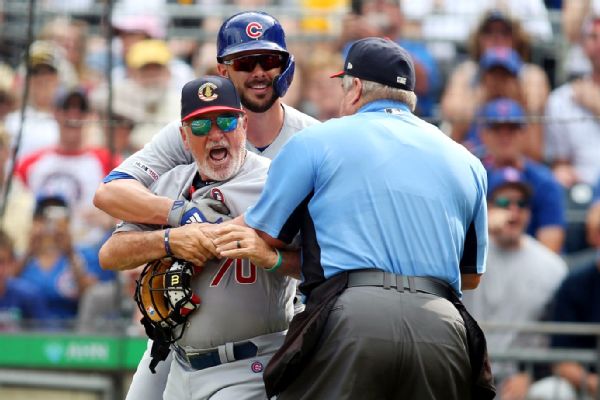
[[210, 170], [261, 105]]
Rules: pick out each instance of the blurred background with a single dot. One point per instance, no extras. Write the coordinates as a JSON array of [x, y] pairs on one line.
[[86, 83]]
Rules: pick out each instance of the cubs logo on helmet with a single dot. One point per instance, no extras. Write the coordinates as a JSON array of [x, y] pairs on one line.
[[254, 30]]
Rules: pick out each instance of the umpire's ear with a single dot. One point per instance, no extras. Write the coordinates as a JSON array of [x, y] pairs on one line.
[[184, 138]]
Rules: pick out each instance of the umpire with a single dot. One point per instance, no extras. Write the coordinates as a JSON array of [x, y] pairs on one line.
[[393, 219]]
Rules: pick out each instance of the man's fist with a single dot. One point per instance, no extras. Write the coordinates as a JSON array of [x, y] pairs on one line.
[[197, 211]]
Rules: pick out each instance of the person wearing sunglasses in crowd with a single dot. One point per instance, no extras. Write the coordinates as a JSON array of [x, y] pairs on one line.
[[252, 53], [243, 316], [521, 276], [503, 133]]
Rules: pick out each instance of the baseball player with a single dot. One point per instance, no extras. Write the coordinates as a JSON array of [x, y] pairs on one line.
[[245, 309], [243, 42]]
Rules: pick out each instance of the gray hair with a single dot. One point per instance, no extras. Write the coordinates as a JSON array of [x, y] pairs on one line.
[[372, 91]]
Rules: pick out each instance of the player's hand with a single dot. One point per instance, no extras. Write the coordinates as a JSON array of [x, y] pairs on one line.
[[198, 211], [189, 243], [234, 241]]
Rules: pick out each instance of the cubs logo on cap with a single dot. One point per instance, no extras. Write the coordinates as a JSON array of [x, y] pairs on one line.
[[254, 30], [209, 93], [507, 176], [502, 110]]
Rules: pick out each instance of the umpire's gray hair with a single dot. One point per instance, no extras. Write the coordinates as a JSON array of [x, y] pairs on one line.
[[372, 91]]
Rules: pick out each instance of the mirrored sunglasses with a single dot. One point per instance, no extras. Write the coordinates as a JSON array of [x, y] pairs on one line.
[[248, 63], [505, 202], [202, 126]]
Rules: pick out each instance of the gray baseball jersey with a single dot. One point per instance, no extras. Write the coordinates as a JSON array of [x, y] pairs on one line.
[[166, 150], [239, 299]]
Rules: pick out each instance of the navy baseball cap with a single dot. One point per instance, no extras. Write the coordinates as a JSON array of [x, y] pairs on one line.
[[507, 177], [504, 57], [382, 61], [503, 110], [209, 93]]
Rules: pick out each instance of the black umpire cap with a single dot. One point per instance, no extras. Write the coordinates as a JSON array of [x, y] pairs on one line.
[[382, 61]]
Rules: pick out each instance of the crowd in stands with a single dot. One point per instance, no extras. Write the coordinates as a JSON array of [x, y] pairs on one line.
[[536, 130]]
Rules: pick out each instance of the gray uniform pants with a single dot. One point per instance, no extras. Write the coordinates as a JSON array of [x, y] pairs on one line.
[[382, 344]]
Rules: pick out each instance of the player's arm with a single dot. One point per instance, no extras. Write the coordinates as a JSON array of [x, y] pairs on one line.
[[130, 249], [469, 281], [130, 200]]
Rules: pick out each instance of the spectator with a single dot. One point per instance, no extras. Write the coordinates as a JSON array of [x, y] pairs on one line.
[[521, 276], [71, 36], [147, 89], [499, 70], [578, 300], [20, 305], [133, 22], [7, 98], [16, 220], [383, 18], [503, 134], [322, 94], [71, 170], [575, 63], [59, 271], [453, 20], [572, 128], [460, 99], [40, 129]]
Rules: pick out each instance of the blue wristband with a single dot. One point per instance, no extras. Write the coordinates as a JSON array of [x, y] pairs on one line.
[[167, 244]]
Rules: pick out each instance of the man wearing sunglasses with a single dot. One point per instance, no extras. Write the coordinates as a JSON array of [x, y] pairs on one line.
[[246, 40], [503, 132], [252, 52], [246, 306], [521, 276]]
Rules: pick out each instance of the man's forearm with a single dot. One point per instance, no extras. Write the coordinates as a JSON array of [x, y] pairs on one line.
[[129, 250], [129, 200]]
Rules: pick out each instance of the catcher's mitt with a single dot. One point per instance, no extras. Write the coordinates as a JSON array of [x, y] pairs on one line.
[[164, 296]]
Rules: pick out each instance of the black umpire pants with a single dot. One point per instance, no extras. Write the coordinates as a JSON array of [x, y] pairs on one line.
[[383, 344]]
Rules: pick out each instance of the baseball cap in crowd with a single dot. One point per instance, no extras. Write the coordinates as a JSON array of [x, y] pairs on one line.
[[503, 110], [45, 201], [382, 61], [72, 98], [496, 15], [43, 54], [151, 51], [507, 177], [504, 57], [209, 93]]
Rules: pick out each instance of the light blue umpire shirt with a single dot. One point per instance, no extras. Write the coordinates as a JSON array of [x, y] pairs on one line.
[[377, 189]]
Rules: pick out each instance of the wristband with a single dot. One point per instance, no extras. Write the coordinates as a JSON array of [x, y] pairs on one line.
[[277, 264], [167, 244]]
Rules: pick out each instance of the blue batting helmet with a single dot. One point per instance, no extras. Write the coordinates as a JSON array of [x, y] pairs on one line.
[[255, 30]]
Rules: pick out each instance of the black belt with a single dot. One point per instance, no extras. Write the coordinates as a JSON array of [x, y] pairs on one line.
[[241, 351], [388, 280]]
